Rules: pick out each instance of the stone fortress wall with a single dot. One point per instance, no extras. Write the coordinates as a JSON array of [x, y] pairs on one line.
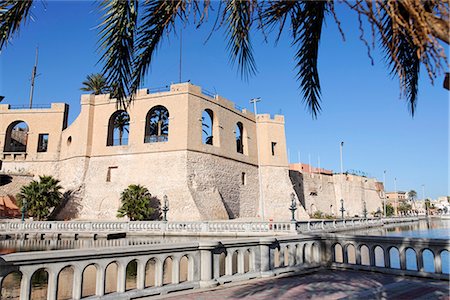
[[202, 181], [323, 192]]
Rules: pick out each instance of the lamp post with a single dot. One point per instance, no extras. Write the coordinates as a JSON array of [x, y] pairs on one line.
[[293, 207], [261, 196], [165, 208], [384, 193], [342, 208], [24, 209], [364, 209]]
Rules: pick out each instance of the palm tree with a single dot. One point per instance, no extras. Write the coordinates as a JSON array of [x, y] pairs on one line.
[[409, 32], [121, 122], [95, 83], [412, 194], [41, 196], [138, 204]]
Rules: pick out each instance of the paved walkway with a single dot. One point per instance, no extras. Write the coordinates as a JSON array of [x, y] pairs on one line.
[[329, 285]]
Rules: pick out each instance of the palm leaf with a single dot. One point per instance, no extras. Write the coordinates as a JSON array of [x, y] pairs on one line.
[[307, 26], [239, 19], [12, 15], [157, 19], [401, 56], [117, 34]]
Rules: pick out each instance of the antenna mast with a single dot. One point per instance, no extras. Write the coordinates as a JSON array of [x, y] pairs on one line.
[[181, 50], [33, 77]]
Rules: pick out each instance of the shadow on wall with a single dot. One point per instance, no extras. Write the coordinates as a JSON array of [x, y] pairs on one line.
[[69, 207], [5, 179], [297, 183]]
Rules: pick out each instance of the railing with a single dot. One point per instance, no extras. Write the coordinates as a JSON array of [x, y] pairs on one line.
[[207, 227], [35, 106], [159, 89], [393, 255], [155, 138], [171, 267]]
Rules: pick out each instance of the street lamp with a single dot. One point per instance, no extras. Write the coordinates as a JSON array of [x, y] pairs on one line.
[[24, 209], [342, 208], [165, 208], [384, 193], [293, 207], [261, 196]]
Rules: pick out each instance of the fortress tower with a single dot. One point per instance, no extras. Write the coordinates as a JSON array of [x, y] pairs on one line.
[[197, 149]]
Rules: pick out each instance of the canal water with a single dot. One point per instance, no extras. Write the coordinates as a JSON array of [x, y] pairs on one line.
[[431, 228]]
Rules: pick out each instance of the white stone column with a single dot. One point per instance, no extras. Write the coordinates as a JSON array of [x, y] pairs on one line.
[[159, 272], [437, 262], [176, 270], [121, 276], [387, 257], [25, 285], [100, 281], [240, 262], [77, 283], [229, 263], [208, 270], [140, 276], [266, 258], [52, 287]]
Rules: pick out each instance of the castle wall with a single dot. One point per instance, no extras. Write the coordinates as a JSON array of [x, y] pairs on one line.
[[323, 193], [202, 181]]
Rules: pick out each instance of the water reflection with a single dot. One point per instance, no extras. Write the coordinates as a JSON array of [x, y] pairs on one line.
[[430, 228]]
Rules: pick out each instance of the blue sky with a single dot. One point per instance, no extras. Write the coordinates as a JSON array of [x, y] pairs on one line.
[[361, 104]]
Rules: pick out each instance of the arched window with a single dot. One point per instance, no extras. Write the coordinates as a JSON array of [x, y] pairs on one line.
[[239, 137], [118, 128], [157, 125], [207, 126], [16, 137]]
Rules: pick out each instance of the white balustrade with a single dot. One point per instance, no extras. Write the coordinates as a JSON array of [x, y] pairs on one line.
[[210, 262]]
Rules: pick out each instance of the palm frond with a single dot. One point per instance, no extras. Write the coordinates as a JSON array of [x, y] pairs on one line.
[[307, 26], [401, 54], [12, 15], [117, 34], [239, 19], [274, 12], [157, 19]]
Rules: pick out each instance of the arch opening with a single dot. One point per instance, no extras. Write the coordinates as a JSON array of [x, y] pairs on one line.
[[89, 279], [157, 125], [208, 127], [16, 138], [239, 137], [150, 273], [131, 275], [65, 280], [10, 288], [167, 270], [394, 258], [118, 128], [39, 284]]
